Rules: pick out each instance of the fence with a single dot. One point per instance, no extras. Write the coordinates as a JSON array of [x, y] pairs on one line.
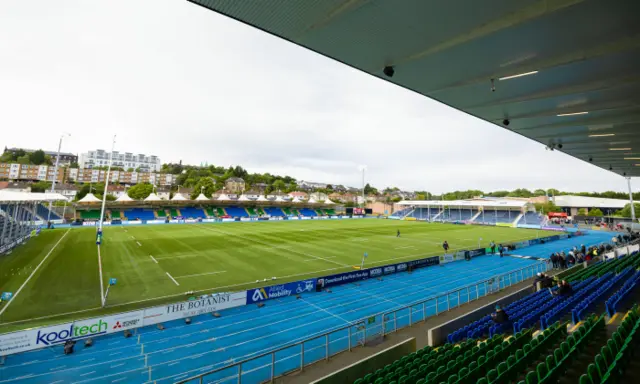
[[294, 357]]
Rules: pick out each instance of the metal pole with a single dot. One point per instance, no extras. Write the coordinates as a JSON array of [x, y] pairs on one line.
[[411, 316], [273, 365], [633, 209], [106, 184], [326, 341], [395, 322], [424, 311], [436, 305], [458, 298], [55, 174], [239, 373], [350, 339], [302, 356]]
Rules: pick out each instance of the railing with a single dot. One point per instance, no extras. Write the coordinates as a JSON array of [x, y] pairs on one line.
[[294, 357]]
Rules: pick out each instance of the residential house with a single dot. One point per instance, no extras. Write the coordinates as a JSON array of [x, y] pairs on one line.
[[234, 185]]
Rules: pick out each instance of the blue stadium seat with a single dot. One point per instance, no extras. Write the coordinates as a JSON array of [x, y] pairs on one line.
[[274, 212], [139, 214], [193, 213], [236, 212], [308, 212]]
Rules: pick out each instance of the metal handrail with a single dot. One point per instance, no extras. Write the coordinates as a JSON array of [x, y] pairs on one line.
[[326, 334]]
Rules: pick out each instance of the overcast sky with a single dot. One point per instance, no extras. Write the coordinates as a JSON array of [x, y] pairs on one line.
[[176, 80]]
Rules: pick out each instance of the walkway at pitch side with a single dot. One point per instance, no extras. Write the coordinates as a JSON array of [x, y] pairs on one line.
[[181, 350]]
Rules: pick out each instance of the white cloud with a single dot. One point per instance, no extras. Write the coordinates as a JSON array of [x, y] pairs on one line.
[[176, 80]]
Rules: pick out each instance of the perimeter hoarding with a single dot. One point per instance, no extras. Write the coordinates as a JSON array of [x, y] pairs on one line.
[[209, 304], [58, 334], [257, 295], [363, 274]]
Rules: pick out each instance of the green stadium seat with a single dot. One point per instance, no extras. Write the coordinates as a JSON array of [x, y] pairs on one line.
[[492, 376], [584, 379], [531, 378]]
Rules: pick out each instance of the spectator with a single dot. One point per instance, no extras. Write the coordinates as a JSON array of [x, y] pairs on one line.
[[554, 260], [571, 259], [580, 258], [564, 289], [501, 250], [493, 247], [539, 279], [500, 316]]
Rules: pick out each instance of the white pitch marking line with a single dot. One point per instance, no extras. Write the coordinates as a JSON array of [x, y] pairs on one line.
[[330, 257], [408, 246], [171, 277], [154, 259], [139, 245], [200, 274], [324, 310], [33, 273]]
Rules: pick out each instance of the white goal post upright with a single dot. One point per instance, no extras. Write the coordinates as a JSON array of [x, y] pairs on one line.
[[99, 230]]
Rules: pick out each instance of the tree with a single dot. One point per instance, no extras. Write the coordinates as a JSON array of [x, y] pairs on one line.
[[369, 190], [40, 186], [140, 191], [596, 212], [626, 211], [539, 192], [209, 187], [278, 185], [37, 157], [547, 207], [582, 212], [25, 159]]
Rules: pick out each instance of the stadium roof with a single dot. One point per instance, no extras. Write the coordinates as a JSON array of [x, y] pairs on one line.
[[581, 85], [466, 203], [588, 202], [16, 197]]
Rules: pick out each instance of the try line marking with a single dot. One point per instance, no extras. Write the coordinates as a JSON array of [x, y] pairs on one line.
[[33, 273], [172, 279], [200, 274], [154, 259]]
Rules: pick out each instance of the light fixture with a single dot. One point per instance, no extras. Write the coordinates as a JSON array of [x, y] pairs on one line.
[[603, 135], [619, 149], [632, 158], [637, 165], [572, 114], [518, 75]]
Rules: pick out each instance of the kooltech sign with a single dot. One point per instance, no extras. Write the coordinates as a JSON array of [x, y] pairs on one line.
[[58, 334]]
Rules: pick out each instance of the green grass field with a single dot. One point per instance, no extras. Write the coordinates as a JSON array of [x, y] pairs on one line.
[[157, 264]]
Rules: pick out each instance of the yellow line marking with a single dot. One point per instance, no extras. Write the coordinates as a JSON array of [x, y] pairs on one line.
[[613, 318]]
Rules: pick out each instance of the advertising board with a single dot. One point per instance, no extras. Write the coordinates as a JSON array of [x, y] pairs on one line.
[[213, 303], [58, 334], [257, 295]]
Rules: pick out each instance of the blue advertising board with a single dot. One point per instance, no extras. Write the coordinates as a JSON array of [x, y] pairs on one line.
[[477, 252], [350, 277], [257, 295]]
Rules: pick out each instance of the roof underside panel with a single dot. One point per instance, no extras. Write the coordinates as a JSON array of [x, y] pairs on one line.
[[586, 54]]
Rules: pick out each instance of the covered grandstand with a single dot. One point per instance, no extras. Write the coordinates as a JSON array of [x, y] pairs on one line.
[[19, 214], [506, 212]]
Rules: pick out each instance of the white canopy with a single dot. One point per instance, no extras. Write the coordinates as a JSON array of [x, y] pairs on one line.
[[178, 197], [15, 196], [296, 200], [152, 197], [312, 201], [244, 198], [328, 202], [223, 197], [201, 197], [279, 199], [89, 198], [261, 198], [124, 198]]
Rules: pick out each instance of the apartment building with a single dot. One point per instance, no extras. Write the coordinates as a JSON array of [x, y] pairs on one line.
[[126, 160]]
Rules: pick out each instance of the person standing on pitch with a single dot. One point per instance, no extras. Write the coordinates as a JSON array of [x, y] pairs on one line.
[[445, 245], [398, 234], [493, 247]]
